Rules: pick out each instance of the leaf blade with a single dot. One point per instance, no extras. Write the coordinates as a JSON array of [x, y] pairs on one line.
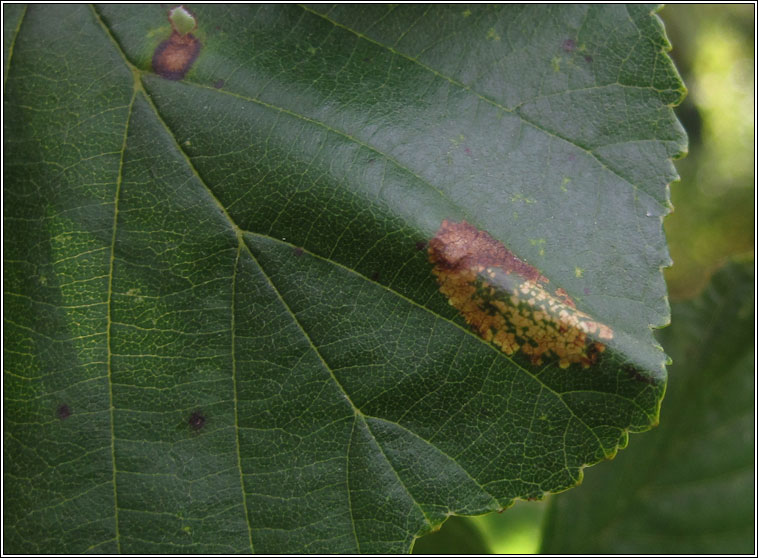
[[246, 200]]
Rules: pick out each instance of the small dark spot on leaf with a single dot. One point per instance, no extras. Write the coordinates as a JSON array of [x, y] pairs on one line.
[[196, 421], [586, 291], [568, 45], [467, 151], [375, 276], [501, 510], [421, 245], [367, 59], [63, 411], [218, 84], [588, 59], [298, 251]]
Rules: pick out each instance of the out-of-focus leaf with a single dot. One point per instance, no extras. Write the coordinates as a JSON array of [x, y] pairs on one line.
[[517, 530], [689, 486], [222, 330], [458, 535]]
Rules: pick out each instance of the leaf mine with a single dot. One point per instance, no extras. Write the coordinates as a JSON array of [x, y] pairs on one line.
[[173, 58], [505, 301]]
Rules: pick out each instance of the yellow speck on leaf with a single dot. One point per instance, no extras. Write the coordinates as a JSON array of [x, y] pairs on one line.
[[578, 271], [505, 300], [492, 35], [466, 13], [519, 197]]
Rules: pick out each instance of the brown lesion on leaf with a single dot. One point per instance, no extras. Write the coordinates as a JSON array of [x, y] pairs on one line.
[[505, 300], [173, 58]]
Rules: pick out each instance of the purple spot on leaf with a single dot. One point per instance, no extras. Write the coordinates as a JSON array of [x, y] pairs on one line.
[[63, 411], [196, 420], [569, 45]]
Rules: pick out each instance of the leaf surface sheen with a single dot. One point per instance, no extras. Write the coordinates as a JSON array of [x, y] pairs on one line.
[[225, 280]]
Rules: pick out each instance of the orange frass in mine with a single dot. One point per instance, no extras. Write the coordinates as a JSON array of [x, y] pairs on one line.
[[505, 300]]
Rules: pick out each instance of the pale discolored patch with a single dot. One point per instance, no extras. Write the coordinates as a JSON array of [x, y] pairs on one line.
[[505, 301]]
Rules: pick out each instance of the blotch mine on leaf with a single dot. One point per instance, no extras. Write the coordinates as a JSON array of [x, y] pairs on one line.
[[504, 299], [63, 411], [173, 58]]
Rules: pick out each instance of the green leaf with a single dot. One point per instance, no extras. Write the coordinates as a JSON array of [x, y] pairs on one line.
[[689, 486], [222, 329]]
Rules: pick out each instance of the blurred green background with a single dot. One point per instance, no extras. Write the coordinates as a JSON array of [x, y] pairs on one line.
[[714, 203], [713, 218]]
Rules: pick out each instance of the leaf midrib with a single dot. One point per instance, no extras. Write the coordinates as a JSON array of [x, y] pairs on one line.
[[109, 320], [16, 32]]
